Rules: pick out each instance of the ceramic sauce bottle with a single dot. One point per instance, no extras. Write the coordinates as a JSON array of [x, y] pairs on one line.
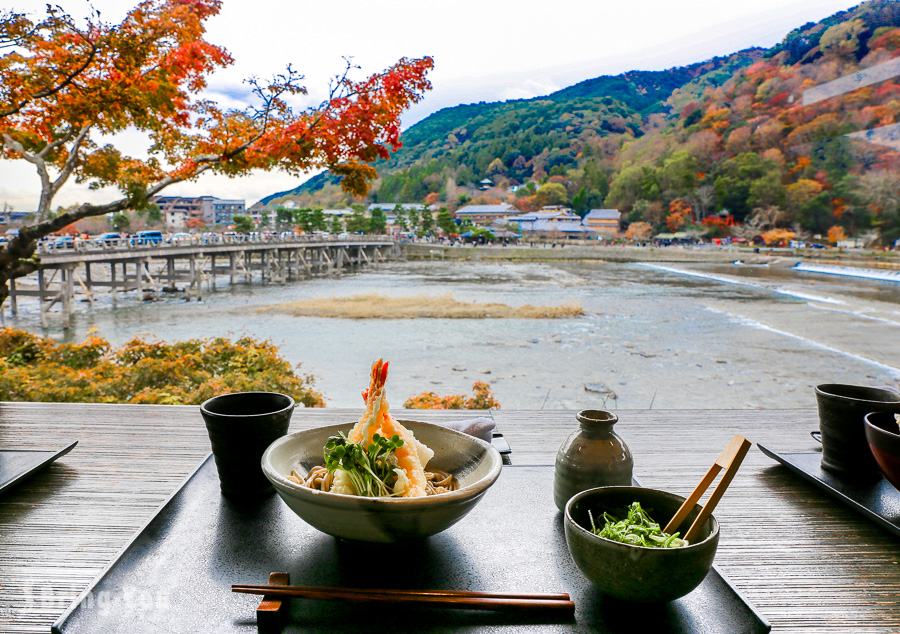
[[592, 456]]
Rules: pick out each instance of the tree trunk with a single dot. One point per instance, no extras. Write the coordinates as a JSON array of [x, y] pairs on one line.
[[17, 259]]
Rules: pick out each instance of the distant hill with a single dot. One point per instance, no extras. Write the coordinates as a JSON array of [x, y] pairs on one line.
[[674, 148], [604, 105]]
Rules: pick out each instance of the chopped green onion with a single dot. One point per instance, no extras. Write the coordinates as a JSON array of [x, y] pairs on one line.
[[637, 529]]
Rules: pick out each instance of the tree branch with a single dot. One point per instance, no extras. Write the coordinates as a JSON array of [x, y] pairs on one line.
[[71, 161], [69, 77], [53, 145], [41, 165]]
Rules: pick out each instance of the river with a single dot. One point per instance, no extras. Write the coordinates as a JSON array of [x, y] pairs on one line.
[[666, 336]]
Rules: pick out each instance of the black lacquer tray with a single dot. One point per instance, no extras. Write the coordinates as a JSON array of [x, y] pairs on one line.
[[878, 500], [16, 465], [175, 576]]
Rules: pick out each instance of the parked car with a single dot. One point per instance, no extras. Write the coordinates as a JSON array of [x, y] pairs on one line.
[[179, 237], [63, 242], [108, 239], [147, 238]]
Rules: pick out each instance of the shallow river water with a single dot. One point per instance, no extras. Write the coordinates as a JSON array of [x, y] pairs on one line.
[[660, 336]]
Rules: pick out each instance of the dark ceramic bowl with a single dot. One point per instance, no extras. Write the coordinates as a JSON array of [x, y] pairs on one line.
[[636, 573], [883, 435], [842, 409]]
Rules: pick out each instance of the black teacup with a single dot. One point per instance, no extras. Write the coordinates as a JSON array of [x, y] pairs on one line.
[[842, 411], [241, 426]]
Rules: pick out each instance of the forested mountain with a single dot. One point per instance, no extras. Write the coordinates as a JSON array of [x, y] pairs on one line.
[[672, 148]]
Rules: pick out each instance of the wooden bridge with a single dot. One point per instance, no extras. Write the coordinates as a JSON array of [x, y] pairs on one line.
[[153, 269]]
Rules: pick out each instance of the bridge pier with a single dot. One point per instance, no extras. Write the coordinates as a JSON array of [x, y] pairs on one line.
[[156, 268]]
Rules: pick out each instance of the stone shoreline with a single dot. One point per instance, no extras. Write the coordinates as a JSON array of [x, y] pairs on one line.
[[418, 251], [748, 255]]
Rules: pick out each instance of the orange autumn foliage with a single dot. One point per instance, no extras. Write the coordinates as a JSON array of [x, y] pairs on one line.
[[67, 90], [35, 368], [674, 222], [836, 234], [639, 231], [481, 399], [778, 236]]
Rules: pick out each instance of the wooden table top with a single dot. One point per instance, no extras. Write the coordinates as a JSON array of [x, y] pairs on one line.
[[807, 563]]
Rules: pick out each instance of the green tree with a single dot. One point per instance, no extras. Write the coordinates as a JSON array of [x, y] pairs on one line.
[[551, 194], [317, 220], [631, 184], [427, 222], [579, 202], [678, 175], [842, 40], [121, 222], [483, 233], [303, 218], [357, 222], [446, 222], [284, 218], [153, 214], [815, 213], [242, 224], [747, 181], [336, 225], [400, 219], [377, 222], [415, 220], [767, 190], [527, 189]]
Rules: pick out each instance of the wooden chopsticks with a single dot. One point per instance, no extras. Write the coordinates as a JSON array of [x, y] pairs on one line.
[[458, 599], [730, 459]]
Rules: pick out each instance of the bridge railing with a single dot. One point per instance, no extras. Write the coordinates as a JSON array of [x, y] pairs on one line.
[[68, 245]]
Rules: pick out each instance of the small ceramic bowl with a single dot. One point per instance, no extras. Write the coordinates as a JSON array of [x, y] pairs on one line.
[[475, 463], [841, 412], [637, 573], [883, 435]]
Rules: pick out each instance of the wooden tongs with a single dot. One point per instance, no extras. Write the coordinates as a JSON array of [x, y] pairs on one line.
[[730, 459]]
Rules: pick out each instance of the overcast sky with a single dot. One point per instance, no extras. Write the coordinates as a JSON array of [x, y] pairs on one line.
[[483, 51]]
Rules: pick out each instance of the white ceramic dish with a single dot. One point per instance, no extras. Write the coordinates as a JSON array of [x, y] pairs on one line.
[[475, 464]]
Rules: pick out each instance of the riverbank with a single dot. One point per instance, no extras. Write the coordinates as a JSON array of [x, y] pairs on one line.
[[785, 258]]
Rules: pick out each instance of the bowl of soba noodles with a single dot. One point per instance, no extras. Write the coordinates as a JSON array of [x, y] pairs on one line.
[[405, 480]]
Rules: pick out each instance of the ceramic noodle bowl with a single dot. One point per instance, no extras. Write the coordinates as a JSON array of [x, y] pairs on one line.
[[842, 409], [473, 462]]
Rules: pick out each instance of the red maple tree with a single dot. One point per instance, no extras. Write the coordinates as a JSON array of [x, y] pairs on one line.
[[64, 86]]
